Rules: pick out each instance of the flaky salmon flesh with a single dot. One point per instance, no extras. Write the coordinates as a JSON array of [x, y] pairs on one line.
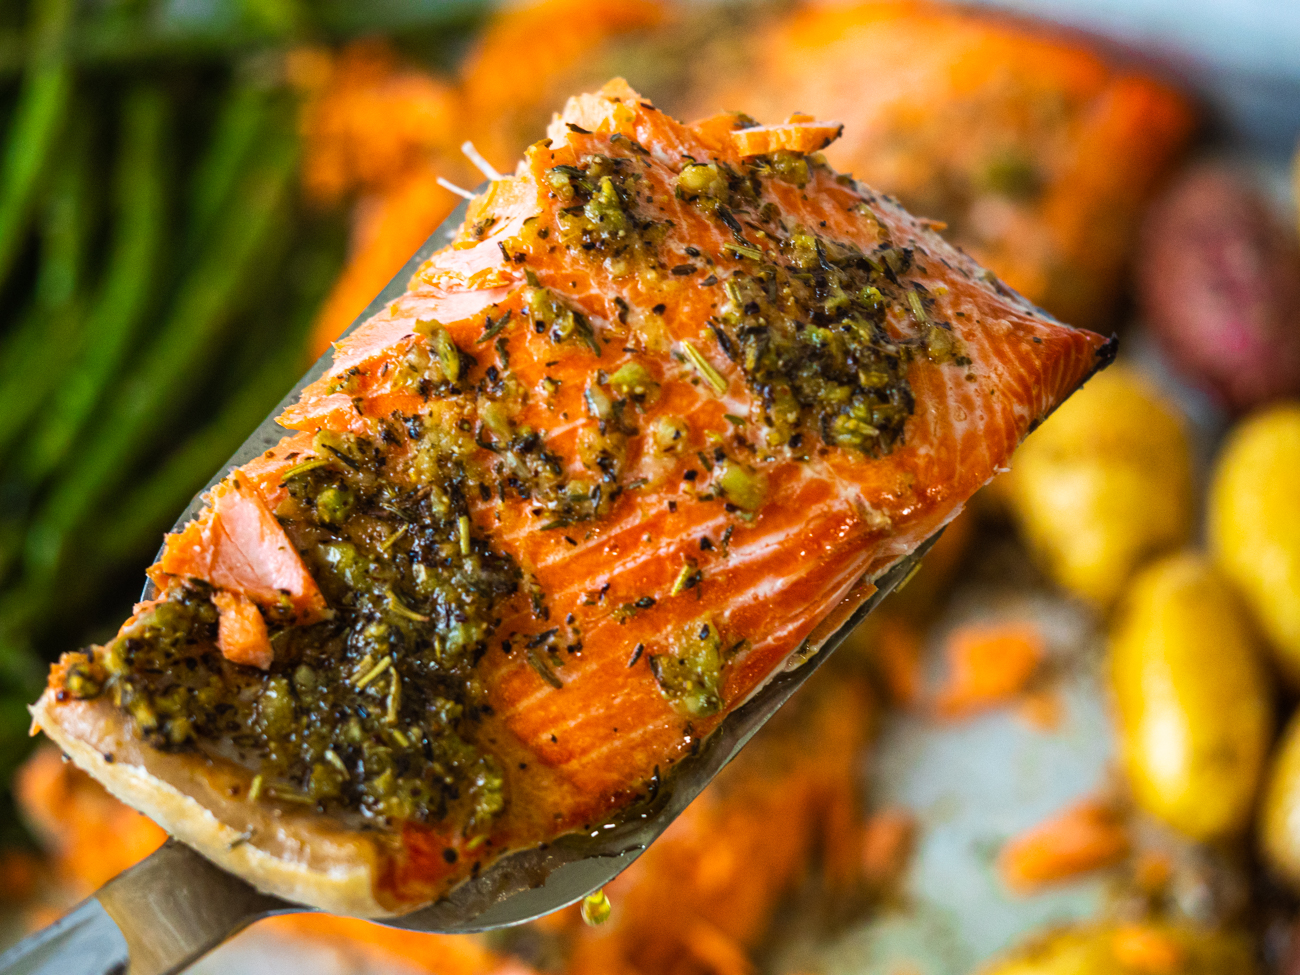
[[672, 392]]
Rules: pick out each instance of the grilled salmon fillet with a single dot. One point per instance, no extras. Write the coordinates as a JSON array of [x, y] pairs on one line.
[[672, 392]]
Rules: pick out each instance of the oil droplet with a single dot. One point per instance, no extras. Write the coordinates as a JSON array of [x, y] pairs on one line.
[[595, 908]]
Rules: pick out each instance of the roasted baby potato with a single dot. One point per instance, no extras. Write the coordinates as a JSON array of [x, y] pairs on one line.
[[1104, 484], [1279, 814], [1119, 949], [1219, 283], [1253, 523], [1194, 708]]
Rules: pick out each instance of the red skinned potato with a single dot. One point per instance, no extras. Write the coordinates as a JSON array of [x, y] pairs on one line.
[[1219, 283]]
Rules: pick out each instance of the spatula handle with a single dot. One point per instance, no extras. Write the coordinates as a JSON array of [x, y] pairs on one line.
[[154, 919], [85, 942]]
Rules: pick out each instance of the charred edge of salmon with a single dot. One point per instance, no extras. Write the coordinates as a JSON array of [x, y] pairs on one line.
[[1105, 356]]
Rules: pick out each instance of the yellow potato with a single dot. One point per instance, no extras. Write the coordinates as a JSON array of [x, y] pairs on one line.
[[1129, 949], [1279, 815], [1194, 708], [1253, 523], [1104, 484]]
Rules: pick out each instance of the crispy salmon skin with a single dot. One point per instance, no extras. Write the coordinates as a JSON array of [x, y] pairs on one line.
[[672, 392]]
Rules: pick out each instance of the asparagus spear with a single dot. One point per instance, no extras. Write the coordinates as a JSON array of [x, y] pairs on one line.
[[34, 131], [123, 300], [175, 359], [128, 41], [278, 338], [150, 508], [242, 120], [37, 352]]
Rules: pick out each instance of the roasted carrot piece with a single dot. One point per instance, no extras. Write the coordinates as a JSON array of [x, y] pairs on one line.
[[376, 128], [20, 872], [988, 665], [91, 836], [887, 840], [1146, 949], [436, 954], [1086, 836], [390, 226], [1042, 709], [367, 121], [898, 653]]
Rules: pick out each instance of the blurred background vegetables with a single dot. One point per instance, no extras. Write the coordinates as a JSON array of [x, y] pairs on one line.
[[197, 198], [1130, 948]]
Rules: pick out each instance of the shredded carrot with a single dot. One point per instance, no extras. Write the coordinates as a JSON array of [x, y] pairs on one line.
[[887, 841], [706, 890], [19, 872], [988, 665], [1085, 836], [898, 652], [437, 954], [1043, 709], [1152, 871], [1146, 949]]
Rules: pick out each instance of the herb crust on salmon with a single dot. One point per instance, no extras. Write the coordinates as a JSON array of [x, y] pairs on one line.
[[669, 396]]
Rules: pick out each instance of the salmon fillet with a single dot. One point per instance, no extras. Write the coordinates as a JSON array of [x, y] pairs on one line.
[[1038, 149], [671, 394]]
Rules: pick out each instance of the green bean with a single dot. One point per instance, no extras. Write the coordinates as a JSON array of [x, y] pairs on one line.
[[123, 300], [132, 40], [242, 119], [37, 352], [176, 358], [276, 338], [34, 131], [276, 18], [149, 509], [22, 675]]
